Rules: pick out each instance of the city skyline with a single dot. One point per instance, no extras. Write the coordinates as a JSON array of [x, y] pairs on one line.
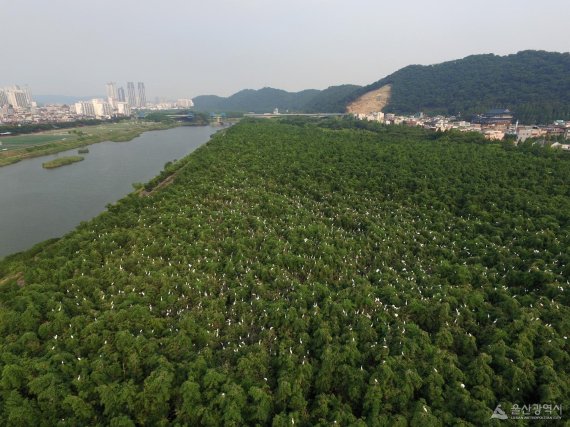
[[135, 98], [189, 49]]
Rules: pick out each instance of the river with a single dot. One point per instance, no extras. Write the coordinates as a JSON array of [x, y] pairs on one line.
[[37, 204]]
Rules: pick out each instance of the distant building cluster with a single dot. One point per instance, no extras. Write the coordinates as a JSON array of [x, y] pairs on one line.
[[15, 97], [118, 103], [494, 125], [18, 107], [135, 99]]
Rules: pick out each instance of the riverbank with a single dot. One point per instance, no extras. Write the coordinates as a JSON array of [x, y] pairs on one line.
[[22, 147], [33, 206]]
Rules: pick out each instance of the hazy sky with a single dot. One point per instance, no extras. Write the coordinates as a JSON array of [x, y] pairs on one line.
[[185, 48]]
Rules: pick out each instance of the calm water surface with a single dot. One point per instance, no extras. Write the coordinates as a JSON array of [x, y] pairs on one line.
[[37, 204]]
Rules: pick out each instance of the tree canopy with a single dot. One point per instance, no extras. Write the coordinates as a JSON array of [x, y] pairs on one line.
[[302, 273]]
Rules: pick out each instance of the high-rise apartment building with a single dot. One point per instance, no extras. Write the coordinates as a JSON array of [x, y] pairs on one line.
[[102, 109], [19, 98], [3, 98], [112, 93], [85, 108], [132, 97], [111, 90], [121, 95], [142, 95]]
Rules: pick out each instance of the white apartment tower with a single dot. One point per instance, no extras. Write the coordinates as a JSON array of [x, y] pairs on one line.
[[111, 93], [3, 98], [19, 98], [84, 108], [121, 95]]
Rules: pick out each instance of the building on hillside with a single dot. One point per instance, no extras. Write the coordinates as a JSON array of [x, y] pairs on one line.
[[555, 130], [493, 135], [526, 132], [495, 117]]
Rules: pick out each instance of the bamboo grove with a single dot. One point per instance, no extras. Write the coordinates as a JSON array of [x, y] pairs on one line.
[[302, 273]]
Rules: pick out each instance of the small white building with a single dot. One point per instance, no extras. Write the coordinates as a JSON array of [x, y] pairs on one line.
[[184, 103], [123, 108]]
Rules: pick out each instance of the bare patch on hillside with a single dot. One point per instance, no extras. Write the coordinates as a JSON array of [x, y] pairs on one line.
[[19, 277], [371, 102]]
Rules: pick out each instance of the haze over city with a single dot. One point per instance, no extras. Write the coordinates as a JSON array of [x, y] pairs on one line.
[[188, 48]]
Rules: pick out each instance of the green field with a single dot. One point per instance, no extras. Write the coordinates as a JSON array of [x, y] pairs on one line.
[[22, 141]]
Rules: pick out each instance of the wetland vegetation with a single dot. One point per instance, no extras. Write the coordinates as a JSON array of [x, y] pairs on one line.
[[62, 161], [57, 140]]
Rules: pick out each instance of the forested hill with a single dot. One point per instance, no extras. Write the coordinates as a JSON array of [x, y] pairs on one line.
[[293, 273], [533, 84], [267, 99]]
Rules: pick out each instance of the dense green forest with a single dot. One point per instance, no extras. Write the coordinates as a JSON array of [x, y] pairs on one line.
[[267, 99], [533, 84], [303, 273]]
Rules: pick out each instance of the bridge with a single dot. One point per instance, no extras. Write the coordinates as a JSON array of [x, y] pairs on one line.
[[272, 115], [181, 117], [217, 117]]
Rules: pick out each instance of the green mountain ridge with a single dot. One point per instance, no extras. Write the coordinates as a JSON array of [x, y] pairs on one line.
[[267, 99], [533, 84]]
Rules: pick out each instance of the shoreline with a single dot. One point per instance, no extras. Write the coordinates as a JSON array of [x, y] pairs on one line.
[[56, 147], [175, 165]]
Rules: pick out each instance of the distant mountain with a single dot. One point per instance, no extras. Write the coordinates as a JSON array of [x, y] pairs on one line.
[[61, 99], [533, 84], [258, 101], [331, 100], [267, 99]]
